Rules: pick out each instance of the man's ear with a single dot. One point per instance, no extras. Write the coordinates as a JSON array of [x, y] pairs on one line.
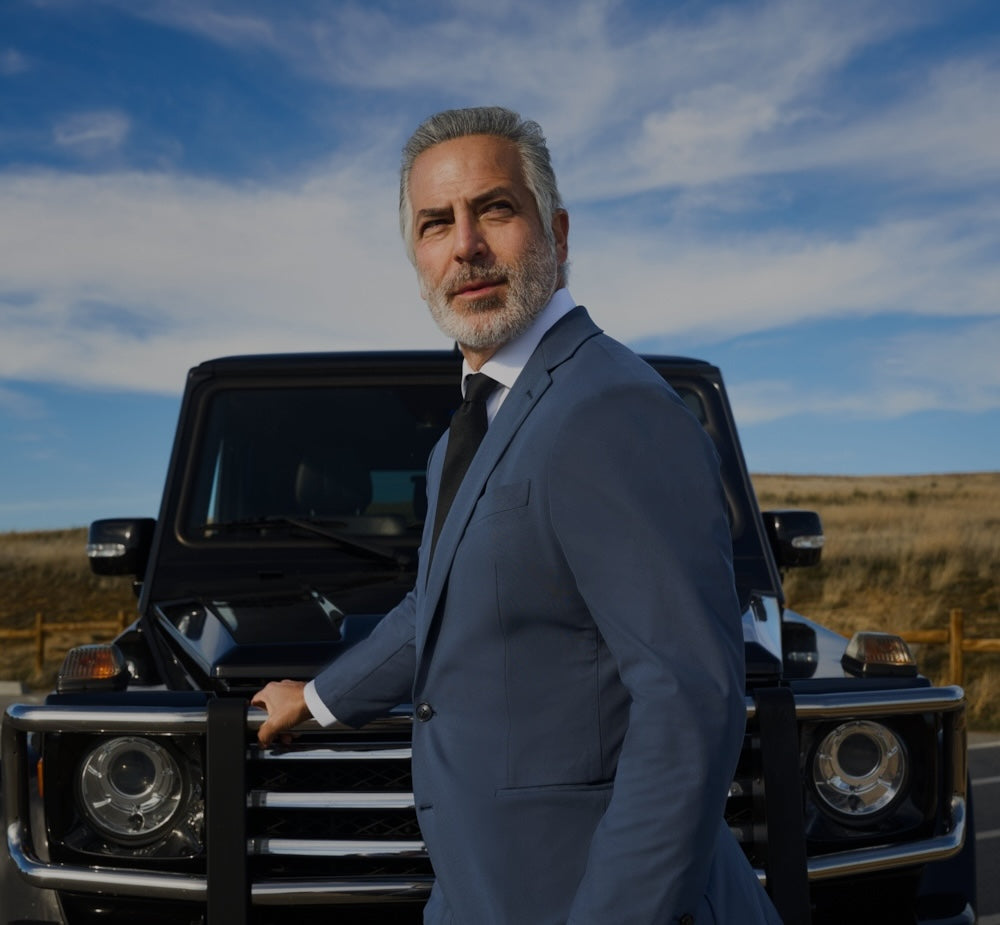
[[560, 233]]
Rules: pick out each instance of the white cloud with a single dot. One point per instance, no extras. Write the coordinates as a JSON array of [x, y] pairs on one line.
[[951, 370], [583, 64], [92, 134], [137, 276], [188, 269], [665, 281], [232, 27], [959, 366], [668, 100], [941, 129], [945, 130]]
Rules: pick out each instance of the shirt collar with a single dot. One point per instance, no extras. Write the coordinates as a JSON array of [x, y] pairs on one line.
[[506, 364]]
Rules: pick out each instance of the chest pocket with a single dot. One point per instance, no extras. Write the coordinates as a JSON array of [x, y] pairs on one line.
[[502, 498]]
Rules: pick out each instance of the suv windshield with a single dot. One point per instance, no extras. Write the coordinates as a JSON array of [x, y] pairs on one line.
[[351, 459], [340, 467]]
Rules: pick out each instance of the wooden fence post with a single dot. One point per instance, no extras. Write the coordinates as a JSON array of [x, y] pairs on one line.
[[955, 632], [39, 644]]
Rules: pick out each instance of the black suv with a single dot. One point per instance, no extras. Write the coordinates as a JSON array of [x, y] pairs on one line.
[[290, 522]]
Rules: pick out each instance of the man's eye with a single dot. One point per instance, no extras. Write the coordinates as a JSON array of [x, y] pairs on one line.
[[430, 225], [500, 206]]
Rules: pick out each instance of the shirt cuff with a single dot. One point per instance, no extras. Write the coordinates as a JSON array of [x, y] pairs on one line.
[[319, 710]]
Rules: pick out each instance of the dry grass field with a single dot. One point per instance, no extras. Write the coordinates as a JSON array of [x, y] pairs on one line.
[[47, 573], [901, 552]]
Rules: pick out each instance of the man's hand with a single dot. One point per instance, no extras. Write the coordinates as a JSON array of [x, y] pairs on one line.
[[286, 707]]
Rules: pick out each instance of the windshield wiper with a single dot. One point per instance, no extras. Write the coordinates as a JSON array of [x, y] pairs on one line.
[[345, 542]]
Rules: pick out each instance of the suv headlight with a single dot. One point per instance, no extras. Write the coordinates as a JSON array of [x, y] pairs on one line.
[[130, 788], [859, 769]]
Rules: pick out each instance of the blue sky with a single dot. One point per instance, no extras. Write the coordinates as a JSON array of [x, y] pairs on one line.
[[806, 193]]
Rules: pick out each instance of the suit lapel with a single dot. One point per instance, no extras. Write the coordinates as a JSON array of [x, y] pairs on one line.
[[558, 345]]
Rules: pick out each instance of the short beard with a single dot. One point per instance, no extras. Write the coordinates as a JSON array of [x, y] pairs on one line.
[[493, 321]]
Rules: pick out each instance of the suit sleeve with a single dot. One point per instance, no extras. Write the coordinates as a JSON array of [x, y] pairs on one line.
[[637, 505], [375, 675]]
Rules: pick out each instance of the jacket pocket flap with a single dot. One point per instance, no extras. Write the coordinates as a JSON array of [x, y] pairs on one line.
[[503, 498]]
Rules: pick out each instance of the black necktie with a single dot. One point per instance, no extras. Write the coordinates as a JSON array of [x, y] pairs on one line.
[[465, 433]]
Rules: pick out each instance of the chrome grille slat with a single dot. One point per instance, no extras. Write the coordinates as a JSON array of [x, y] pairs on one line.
[[336, 752], [332, 800], [320, 891], [335, 848]]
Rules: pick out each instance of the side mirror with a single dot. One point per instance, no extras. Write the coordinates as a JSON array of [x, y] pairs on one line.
[[796, 537], [120, 547]]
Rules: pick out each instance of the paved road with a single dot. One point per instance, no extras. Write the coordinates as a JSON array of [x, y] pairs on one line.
[[984, 766]]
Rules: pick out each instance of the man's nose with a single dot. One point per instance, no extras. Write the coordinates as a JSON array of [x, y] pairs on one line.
[[470, 243]]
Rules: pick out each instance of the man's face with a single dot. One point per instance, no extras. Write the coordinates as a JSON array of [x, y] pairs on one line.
[[484, 263]]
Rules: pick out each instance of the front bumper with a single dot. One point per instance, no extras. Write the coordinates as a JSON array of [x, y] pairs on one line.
[[28, 851]]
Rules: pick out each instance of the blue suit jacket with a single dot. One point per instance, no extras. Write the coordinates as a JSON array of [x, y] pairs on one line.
[[576, 644]]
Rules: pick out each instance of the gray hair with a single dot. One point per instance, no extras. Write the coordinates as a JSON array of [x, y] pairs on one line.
[[484, 120]]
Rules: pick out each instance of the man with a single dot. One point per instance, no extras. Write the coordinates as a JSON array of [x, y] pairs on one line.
[[573, 640]]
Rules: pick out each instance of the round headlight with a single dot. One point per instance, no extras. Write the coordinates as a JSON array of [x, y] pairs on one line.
[[859, 768], [130, 788]]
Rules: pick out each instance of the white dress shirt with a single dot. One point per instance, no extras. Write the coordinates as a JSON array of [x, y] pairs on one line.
[[504, 366]]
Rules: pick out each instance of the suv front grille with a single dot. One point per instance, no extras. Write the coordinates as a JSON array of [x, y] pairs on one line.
[[335, 804], [339, 807]]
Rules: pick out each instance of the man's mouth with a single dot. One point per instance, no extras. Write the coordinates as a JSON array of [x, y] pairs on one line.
[[477, 288]]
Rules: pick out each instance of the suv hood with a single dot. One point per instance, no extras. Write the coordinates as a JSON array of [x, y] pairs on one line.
[[244, 639], [248, 638]]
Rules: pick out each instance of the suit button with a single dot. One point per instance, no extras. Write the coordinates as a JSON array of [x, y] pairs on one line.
[[424, 712], [686, 919]]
